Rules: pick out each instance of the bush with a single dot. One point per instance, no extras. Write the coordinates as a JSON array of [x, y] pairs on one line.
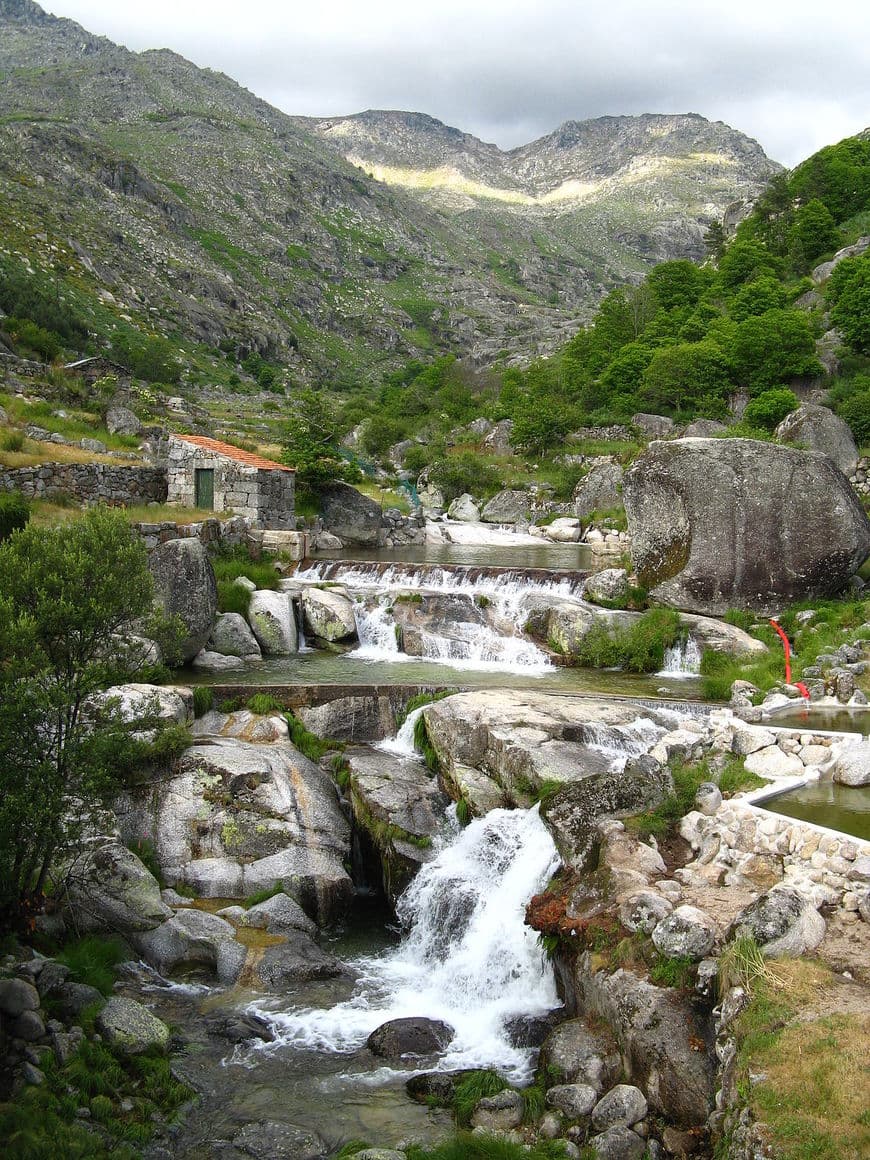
[[13, 441], [465, 472], [769, 408], [638, 649], [14, 513]]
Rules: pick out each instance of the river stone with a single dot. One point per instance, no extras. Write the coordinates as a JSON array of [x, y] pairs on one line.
[[572, 1099], [379, 1154], [644, 910], [410, 1036], [17, 996], [686, 932], [109, 889], [464, 509], [185, 587], [580, 1056], [238, 1026], [349, 514], [207, 661], [618, 1143], [507, 507], [499, 1113], [237, 817], [623, 1106], [279, 914], [610, 584], [783, 922], [747, 739], [297, 961], [193, 938], [73, 998], [328, 614], [600, 490], [723, 523], [852, 766], [232, 636], [565, 530], [653, 426], [130, 1028], [708, 798], [122, 421], [270, 615], [821, 430], [272, 1140], [532, 1030], [773, 762]]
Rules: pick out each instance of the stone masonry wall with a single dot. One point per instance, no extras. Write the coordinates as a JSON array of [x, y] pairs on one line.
[[266, 496], [88, 482]]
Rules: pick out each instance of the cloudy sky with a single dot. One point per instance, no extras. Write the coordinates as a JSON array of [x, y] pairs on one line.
[[795, 74]]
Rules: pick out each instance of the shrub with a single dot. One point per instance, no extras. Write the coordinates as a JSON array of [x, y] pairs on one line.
[[92, 959], [768, 409], [14, 513], [638, 649], [13, 441], [203, 700], [465, 472]]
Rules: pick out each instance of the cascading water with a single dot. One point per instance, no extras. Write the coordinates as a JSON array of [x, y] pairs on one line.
[[403, 743], [682, 659], [619, 743], [467, 957]]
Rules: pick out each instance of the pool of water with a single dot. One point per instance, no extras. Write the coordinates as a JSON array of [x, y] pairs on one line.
[[557, 557], [840, 807], [835, 718], [324, 668]]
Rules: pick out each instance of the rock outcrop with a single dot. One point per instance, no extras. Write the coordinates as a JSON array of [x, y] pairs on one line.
[[722, 523], [349, 514], [238, 817]]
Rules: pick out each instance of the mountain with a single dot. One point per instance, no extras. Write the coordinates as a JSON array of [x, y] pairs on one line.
[[156, 195]]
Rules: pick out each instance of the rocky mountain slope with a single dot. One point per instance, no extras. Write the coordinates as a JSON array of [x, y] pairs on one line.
[[151, 193]]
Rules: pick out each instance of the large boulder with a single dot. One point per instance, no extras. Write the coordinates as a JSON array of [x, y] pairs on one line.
[[507, 507], [146, 706], [296, 961], [600, 490], [819, 429], [185, 587], [685, 933], [238, 817], [232, 636], [581, 1056], [653, 426], [723, 523], [107, 888], [349, 514], [273, 623], [122, 421], [193, 938], [328, 614]]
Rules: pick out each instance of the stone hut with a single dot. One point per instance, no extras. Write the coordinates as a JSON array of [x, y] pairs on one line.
[[206, 473]]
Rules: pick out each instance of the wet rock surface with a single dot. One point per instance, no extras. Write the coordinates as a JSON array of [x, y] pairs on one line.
[[409, 1036]]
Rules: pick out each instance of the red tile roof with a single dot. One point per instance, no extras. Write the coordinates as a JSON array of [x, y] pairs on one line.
[[229, 452]]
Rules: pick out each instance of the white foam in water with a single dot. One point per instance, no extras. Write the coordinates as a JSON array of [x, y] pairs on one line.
[[467, 958], [621, 742], [682, 660]]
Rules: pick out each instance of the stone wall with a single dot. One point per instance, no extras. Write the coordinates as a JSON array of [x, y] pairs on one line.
[[88, 482], [212, 533], [860, 479]]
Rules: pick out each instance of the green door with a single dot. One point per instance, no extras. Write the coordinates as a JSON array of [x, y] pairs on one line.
[[203, 488]]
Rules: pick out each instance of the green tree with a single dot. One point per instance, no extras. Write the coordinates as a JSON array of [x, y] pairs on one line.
[[678, 284], [64, 594], [771, 348], [312, 441], [745, 260], [814, 230], [849, 291], [763, 294], [678, 377]]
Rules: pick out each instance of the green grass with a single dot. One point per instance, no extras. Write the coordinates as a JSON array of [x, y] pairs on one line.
[[419, 700], [263, 895], [126, 1096], [471, 1089], [660, 821], [678, 972], [230, 565], [263, 703], [424, 746], [637, 649], [466, 1146], [203, 700], [308, 743], [92, 960]]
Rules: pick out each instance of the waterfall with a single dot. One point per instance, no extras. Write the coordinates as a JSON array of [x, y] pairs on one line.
[[403, 743], [376, 631], [682, 659], [467, 956]]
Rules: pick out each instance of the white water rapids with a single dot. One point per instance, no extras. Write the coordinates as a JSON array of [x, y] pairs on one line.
[[467, 957]]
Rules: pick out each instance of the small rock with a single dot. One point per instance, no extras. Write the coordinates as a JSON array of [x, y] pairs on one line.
[[272, 1140], [618, 1143], [572, 1099], [29, 1027], [687, 931], [708, 798], [17, 996], [644, 910], [499, 1113], [622, 1106], [782, 922], [32, 1075], [131, 1028], [409, 1036]]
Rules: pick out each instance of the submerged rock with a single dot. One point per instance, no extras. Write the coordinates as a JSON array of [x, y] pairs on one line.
[[274, 1140], [723, 523]]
